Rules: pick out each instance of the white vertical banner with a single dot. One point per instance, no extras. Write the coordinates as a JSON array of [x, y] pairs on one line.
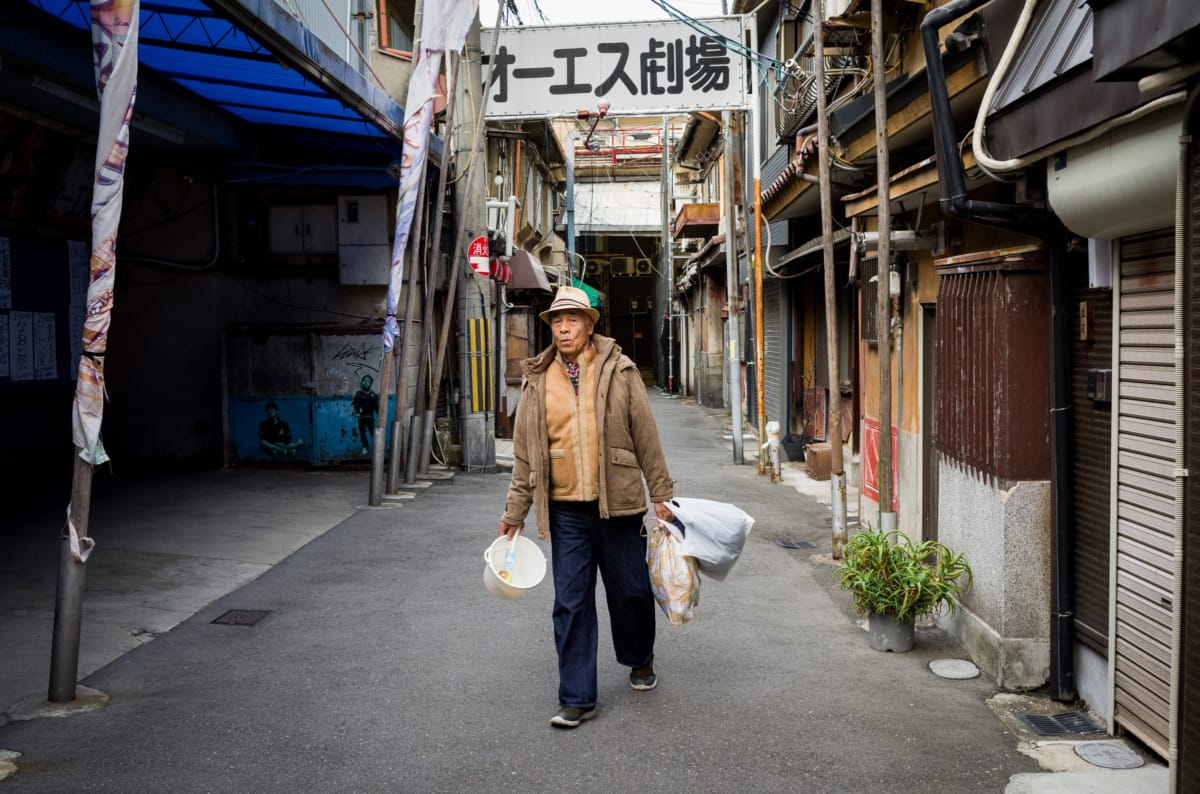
[[444, 26], [114, 57]]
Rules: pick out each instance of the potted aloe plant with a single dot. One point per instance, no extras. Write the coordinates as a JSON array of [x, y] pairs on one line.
[[895, 580]]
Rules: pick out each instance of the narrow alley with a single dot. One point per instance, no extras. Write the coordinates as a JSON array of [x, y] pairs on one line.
[[384, 665]]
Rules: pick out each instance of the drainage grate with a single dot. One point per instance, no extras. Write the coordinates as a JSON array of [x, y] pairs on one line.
[[795, 544], [242, 617], [1059, 724]]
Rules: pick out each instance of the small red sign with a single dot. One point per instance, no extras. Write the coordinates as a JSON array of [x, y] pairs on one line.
[[478, 257]]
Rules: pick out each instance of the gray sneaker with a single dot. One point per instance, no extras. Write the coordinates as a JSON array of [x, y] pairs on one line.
[[570, 717], [643, 678]]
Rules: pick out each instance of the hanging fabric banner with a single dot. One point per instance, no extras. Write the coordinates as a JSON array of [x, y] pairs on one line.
[[114, 56], [444, 26]]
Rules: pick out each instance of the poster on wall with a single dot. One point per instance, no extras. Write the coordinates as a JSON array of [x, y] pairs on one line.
[[870, 463], [20, 338], [45, 347], [3, 345], [5, 273], [77, 280]]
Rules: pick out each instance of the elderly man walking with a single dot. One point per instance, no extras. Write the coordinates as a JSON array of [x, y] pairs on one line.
[[583, 438]]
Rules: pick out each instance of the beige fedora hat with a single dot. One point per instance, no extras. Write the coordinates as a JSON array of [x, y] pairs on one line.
[[570, 298]]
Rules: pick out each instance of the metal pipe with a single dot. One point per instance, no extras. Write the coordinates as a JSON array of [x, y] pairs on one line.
[[902, 240], [68, 598], [1181, 473]]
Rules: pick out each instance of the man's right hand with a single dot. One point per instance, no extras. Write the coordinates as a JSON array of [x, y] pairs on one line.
[[508, 530]]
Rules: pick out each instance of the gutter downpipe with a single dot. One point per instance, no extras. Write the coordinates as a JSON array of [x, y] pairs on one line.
[[1043, 224], [1181, 472]]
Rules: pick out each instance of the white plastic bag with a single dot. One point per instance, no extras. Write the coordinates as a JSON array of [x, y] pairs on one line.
[[673, 577], [714, 533]]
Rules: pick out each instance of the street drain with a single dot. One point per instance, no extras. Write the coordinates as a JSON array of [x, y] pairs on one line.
[[242, 617], [795, 544], [1060, 724]]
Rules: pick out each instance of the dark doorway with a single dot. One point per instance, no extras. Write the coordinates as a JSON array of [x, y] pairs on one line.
[[929, 464]]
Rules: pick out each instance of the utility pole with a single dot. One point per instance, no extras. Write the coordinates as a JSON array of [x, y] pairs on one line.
[[571, 207], [667, 273], [478, 428], [883, 286], [731, 293], [837, 477]]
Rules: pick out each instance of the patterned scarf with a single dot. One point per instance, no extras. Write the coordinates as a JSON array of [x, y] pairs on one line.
[[572, 368]]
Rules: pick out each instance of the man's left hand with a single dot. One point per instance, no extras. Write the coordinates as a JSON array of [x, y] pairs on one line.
[[663, 512]]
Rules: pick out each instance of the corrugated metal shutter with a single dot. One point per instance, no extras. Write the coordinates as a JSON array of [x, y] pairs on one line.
[[775, 353], [1189, 706], [1091, 472], [1145, 384]]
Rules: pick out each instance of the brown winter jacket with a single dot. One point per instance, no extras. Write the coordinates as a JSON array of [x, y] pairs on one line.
[[628, 441]]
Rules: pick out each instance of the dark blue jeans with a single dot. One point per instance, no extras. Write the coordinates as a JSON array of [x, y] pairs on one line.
[[580, 544]]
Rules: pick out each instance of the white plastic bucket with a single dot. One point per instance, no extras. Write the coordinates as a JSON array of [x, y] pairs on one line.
[[528, 570]]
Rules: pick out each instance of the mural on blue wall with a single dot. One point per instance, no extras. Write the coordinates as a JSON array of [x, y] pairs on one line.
[[364, 407], [275, 435], [304, 395]]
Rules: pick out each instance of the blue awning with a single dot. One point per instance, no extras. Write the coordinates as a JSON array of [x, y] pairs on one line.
[[282, 75]]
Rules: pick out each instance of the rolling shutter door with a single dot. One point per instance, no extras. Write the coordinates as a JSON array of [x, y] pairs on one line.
[[1092, 474], [1145, 503], [775, 353]]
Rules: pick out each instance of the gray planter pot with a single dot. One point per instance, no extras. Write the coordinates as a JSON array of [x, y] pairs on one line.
[[887, 634]]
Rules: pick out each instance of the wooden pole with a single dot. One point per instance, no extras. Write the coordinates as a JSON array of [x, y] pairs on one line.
[[837, 481], [887, 518]]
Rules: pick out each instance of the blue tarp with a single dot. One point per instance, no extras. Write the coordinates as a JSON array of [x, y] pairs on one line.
[[283, 76]]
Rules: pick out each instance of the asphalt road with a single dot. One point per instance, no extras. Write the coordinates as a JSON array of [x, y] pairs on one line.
[[384, 665]]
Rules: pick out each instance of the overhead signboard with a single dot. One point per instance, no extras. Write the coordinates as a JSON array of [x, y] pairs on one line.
[[643, 67]]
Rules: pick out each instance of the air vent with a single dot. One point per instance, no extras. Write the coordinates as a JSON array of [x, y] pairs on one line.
[[620, 266], [644, 267]]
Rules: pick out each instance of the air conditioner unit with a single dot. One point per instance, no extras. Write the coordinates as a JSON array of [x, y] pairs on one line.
[[620, 266], [644, 267], [593, 268]]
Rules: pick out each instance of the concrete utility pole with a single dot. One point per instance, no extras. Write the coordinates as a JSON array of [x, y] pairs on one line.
[[571, 207], [478, 427], [837, 477], [667, 274], [887, 518], [731, 292]]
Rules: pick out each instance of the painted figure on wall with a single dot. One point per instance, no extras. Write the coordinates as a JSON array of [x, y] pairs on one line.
[[365, 406], [274, 435]]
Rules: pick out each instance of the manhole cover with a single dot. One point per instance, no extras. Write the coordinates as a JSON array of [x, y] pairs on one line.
[[795, 544], [242, 617], [1108, 756], [1059, 724], [959, 669]]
